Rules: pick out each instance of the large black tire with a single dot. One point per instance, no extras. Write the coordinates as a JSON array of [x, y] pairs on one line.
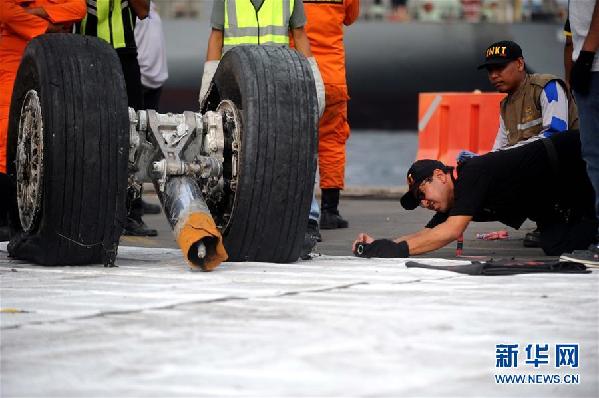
[[274, 89], [76, 217]]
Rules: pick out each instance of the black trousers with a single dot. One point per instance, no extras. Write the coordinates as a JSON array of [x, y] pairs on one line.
[[128, 58], [152, 97], [559, 238], [575, 227], [135, 100]]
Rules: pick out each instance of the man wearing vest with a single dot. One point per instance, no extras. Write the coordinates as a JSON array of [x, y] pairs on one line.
[[114, 22], [584, 80], [272, 22], [537, 105], [20, 22], [326, 20]]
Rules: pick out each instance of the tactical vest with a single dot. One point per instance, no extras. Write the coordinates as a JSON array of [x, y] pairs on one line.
[[110, 20], [522, 113], [267, 25]]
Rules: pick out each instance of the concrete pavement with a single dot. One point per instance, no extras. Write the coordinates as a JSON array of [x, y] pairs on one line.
[[332, 326]]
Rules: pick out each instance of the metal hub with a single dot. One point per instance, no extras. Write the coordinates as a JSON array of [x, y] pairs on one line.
[[232, 130], [30, 161]]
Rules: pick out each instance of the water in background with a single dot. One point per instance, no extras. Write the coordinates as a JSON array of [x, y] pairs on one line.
[[379, 158]]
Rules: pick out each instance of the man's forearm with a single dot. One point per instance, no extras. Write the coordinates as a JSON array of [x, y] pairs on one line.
[[141, 8], [215, 45], [435, 238], [301, 42], [428, 241], [412, 236]]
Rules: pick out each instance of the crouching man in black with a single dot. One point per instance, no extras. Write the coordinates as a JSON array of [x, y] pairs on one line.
[[545, 181]]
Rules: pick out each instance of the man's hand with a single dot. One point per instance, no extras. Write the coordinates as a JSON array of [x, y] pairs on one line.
[[465, 155], [209, 71], [580, 76], [382, 248], [38, 12], [59, 28], [362, 238]]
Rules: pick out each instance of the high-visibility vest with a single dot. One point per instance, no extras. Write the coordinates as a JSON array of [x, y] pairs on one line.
[[110, 20], [267, 25]]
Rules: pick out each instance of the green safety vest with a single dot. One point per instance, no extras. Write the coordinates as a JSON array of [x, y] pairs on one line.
[[110, 20], [246, 25]]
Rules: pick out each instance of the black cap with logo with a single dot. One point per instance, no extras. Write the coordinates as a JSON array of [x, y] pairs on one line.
[[419, 171], [500, 53]]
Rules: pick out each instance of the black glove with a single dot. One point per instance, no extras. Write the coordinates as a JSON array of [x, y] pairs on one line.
[[580, 76], [383, 248]]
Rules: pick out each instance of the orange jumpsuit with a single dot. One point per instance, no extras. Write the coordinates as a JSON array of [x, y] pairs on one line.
[[17, 28], [325, 32]]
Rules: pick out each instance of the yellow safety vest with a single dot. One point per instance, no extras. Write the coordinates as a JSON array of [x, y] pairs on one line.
[[110, 20], [246, 25]]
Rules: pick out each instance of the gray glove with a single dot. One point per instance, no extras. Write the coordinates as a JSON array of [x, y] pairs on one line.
[[319, 86], [209, 71]]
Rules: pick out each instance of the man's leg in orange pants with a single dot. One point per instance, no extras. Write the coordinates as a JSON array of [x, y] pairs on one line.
[[332, 136], [5, 92]]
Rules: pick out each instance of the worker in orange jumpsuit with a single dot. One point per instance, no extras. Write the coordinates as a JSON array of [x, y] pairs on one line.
[[21, 21], [325, 32]]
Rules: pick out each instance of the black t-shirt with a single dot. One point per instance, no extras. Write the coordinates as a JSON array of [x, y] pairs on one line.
[[519, 183]]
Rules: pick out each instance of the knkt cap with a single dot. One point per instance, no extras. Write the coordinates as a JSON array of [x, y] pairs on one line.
[[501, 52]]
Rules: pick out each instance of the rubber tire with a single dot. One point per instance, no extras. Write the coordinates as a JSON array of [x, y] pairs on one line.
[[83, 98], [274, 89]]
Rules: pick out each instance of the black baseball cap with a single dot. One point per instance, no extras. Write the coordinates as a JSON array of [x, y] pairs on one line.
[[418, 172], [500, 53]]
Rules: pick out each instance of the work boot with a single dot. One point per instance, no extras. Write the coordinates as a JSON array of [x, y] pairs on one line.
[[311, 236], [532, 239], [135, 227], [307, 246], [329, 216], [313, 230], [150, 208]]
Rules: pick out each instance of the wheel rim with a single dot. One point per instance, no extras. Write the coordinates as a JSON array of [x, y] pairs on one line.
[[232, 152], [29, 158]]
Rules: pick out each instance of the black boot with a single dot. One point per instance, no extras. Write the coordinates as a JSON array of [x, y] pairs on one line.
[[329, 216], [134, 225], [311, 236], [314, 230]]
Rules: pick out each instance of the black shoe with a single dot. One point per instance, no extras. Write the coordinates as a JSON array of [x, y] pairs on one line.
[[307, 246], [137, 228], [150, 208], [532, 239], [314, 230], [332, 220]]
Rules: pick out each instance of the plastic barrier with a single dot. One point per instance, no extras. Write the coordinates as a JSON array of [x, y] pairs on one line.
[[451, 122]]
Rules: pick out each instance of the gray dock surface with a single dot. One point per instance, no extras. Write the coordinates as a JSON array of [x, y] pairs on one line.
[[332, 326]]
